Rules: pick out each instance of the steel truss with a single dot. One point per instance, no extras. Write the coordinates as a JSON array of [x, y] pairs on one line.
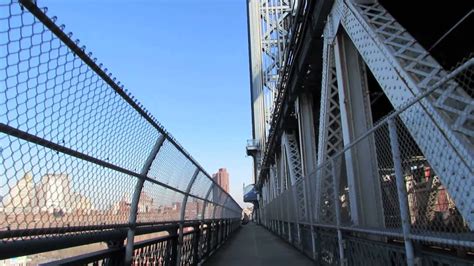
[[275, 32], [404, 69], [366, 180]]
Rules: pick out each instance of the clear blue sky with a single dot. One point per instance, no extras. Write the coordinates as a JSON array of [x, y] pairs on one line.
[[186, 61]]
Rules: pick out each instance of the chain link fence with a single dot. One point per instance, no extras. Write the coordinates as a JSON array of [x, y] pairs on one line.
[[416, 207], [78, 153]]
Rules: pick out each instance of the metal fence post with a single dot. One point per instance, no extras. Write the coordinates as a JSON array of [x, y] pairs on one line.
[[282, 218], [310, 213], [290, 238], [337, 208], [218, 227], [196, 242], [183, 212], [208, 238], [226, 229], [205, 203], [401, 191], [174, 245], [132, 220]]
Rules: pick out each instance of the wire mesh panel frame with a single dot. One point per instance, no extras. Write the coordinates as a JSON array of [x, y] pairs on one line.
[[60, 103]]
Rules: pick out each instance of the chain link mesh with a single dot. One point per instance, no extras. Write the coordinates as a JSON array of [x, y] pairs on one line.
[[74, 145], [434, 218], [366, 252]]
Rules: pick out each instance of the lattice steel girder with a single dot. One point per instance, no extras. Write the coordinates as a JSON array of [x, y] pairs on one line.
[[275, 22], [269, 30], [293, 159], [404, 69], [330, 132]]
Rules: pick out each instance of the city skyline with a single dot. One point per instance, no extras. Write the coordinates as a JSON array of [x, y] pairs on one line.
[[52, 199]]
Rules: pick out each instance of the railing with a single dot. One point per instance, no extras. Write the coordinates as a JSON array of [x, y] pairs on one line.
[[420, 223], [82, 162], [164, 250]]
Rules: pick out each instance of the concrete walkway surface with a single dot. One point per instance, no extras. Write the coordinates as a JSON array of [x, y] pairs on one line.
[[255, 245]]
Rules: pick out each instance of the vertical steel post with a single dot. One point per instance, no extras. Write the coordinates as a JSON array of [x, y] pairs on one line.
[[210, 232], [183, 211], [337, 208], [223, 206], [310, 210], [282, 210], [205, 203], [203, 213], [401, 191], [215, 205], [196, 243], [365, 193], [290, 238], [132, 220], [216, 234], [278, 215], [174, 245]]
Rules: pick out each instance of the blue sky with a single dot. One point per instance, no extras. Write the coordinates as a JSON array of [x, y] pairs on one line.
[[186, 62]]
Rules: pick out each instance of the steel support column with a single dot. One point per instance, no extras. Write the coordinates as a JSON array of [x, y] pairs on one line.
[[364, 186], [304, 110]]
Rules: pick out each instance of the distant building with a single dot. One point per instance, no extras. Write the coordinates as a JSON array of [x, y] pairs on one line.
[[222, 179], [52, 194], [193, 209], [145, 204], [20, 196]]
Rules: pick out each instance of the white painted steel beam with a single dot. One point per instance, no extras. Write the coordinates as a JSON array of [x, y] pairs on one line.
[[440, 124], [356, 119]]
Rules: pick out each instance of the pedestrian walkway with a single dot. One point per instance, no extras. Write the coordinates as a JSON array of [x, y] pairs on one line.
[[254, 245]]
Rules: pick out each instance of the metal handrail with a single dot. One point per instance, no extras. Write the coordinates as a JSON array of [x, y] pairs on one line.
[[117, 252]]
